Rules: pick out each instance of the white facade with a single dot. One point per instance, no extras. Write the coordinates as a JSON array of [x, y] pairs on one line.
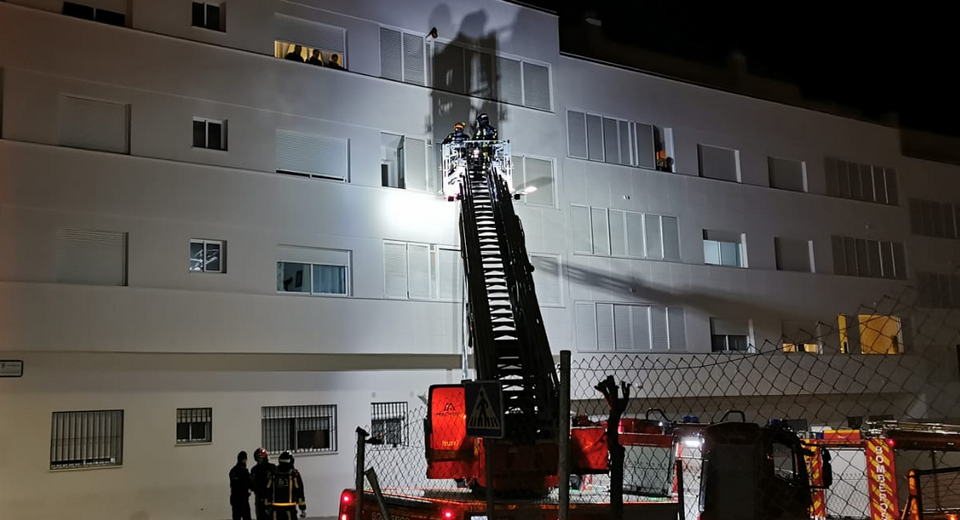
[[160, 337]]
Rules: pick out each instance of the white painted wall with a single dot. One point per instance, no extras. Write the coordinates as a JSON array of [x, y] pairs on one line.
[[232, 342]]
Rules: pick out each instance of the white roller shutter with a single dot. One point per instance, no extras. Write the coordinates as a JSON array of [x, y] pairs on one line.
[[626, 151], [546, 277], [418, 271], [311, 154], [635, 235], [654, 238], [413, 60], [536, 86], [509, 81], [580, 223], [586, 317], [480, 66], [94, 125], [391, 56], [311, 34], [785, 174], [677, 328], [658, 328], [91, 257], [595, 137], [577, 134], [793, 254], [611, 141], [450, 286], [448, 68], [623, 332], [671, 238], [640, 316], [395, 270], [539, 173], [618, 233], [601, 231], [606, 339], [415, 163], [646, 154], [730, 326]]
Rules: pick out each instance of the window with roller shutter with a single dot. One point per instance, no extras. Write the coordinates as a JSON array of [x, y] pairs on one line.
[[535, 178], [547, 279], [91, 257], [869, 183], [719, 163], [94, 125], [794, 254], [625, 233], [787, 174], [730, 335], [402, 56], [868, 258], [422, 272], [536, 86], [934, 219], [311, 155], [622, 327], [313, 271], [291, 32], [611, 140]]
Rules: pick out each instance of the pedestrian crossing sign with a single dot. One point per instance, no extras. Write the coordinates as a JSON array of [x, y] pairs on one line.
[[484, 401]]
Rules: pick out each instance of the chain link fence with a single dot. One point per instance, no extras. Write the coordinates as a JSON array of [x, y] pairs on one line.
[[892, 360]]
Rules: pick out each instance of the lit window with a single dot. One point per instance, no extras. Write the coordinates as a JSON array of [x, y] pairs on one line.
[[209, 134], [876, 334], [309, 54], [209, 16], [207, 256], [810, 348]]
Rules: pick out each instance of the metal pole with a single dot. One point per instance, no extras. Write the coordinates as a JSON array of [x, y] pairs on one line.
[[488, 472], [563, 444], [361, 462], [375, 484], [683, 510]]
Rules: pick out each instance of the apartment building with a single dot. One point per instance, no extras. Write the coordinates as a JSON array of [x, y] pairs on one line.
[[209, 244]]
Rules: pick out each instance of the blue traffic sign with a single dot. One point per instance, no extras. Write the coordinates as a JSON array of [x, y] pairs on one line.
[[484, 400]]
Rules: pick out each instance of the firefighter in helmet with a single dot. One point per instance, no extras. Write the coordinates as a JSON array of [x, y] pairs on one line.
[[260, 475], [285, 491], [458, 135], [485, 131]]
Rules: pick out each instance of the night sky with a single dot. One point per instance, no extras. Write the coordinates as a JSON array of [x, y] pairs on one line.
[[878, 58]]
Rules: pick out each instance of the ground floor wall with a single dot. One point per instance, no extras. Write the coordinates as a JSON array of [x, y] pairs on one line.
[[159, 479]]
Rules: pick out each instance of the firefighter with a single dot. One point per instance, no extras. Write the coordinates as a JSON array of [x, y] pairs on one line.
[[458, 135], [261, 476], [240, 488], [285, 491], [485, 131]]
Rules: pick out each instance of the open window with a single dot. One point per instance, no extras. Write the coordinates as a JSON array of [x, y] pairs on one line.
[[875, 334]]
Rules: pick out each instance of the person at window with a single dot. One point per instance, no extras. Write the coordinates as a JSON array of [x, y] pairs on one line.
[[315, 58], [485, 131], [335, 62], [664, 163], [458, 135], [260, 474], [285, 491], [240, 483], [296, 54]]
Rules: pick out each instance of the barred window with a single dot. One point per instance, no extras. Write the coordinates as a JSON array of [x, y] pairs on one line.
[[86, 439], [194, 425], [388, 421], [301, 429]]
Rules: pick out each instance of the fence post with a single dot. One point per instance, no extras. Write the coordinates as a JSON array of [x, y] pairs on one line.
[[617, 398], [378, 493], [361, 462], [563, 444], [488, 475], [680, 505]]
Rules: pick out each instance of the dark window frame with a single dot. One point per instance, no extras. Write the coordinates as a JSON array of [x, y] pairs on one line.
[[281, 428], [209, 16], [187, 419]]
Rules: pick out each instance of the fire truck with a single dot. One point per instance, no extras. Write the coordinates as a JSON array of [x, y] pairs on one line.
[[509, 343]]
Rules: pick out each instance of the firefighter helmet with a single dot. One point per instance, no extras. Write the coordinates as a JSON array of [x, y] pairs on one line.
[[458, 126], [285, 458], [261, 454], [483, 119]]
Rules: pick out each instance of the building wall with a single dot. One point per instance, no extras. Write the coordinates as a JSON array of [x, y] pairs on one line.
[[173, 338]]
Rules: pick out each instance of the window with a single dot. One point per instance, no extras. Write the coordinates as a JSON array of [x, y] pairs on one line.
[[939, 291], [316, 271], [535, 179], [388, 422], [91, 257], [298, 38], [207, 256], [91, 13], [546, 279], [403, 57], [422, 272], [719, 163], [94, 125], [723, 248], [403, 164], [610, 140], [209, 134], [209, 16], [800, 337], [868, 258], [536, 86], [194, 425], [876, 334], [730, 335], [300, 429], [312, 155], [935, 219], [620, 327], [850, 180], [786, 174], [794, 254], [88, 439], [625, 233]]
